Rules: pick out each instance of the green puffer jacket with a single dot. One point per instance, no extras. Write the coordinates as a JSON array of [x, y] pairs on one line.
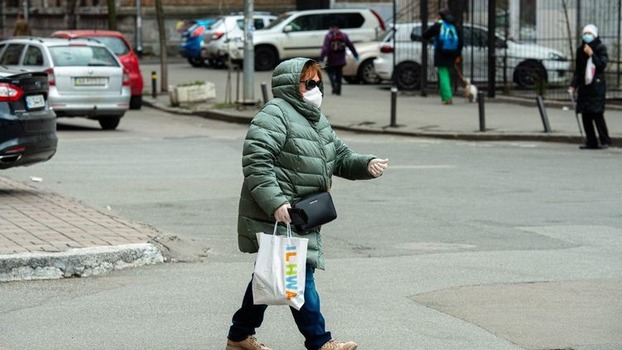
[[290, 151]]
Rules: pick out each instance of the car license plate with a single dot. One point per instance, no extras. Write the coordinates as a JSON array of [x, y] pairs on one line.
[[35, 101], [88, 81]]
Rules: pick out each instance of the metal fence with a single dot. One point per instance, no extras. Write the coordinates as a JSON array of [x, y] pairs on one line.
[[534, 44]]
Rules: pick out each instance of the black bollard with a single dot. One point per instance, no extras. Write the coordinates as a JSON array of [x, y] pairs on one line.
[[482, 115], [264, 92], [393, 105], [543, 115], [154, 81]]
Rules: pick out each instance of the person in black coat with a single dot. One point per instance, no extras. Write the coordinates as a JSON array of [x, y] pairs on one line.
[[591, 95], [445, 60]]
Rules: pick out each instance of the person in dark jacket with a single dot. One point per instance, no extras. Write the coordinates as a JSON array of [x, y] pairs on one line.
[[291, 151], [21, 27], [445, 59], [334, 51], [591, 95]]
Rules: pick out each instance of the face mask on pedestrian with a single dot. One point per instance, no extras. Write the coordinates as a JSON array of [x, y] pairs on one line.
[[313, 97], [588, 38]]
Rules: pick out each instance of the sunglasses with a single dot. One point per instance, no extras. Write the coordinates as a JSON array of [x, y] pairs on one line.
[[312, 84]]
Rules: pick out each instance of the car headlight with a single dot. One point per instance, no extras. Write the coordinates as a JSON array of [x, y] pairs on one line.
[[557, 57]]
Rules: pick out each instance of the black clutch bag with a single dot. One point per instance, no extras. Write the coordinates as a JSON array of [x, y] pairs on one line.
[[313, 211]]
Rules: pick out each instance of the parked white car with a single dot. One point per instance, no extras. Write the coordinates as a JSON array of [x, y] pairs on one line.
[[524, 64], [301, 33], [228, 29], [362, 70]]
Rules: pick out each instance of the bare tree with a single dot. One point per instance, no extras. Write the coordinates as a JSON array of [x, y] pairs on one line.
[[72, 19], [569, 31], [112, 15], [162, 36]]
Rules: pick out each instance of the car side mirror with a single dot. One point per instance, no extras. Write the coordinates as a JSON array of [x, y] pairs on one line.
[[288, 28]]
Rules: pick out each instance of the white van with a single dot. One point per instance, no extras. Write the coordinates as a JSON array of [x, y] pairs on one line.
[[301, 34]]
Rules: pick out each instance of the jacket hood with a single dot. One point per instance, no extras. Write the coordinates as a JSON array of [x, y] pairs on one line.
[[447, 16], [285, 85]]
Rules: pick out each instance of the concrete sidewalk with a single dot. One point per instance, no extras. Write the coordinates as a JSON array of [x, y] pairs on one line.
[[363, 108], [44, 235]]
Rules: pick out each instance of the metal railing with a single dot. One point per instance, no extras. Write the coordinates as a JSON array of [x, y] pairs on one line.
[[534, 47]]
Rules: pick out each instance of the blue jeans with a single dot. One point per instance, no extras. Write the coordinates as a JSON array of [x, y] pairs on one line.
[[309, 319]]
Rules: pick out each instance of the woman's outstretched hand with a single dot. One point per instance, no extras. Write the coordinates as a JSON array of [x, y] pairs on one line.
[[377, 166]]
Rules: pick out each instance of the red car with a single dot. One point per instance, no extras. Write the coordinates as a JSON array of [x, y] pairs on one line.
[[117, 43]]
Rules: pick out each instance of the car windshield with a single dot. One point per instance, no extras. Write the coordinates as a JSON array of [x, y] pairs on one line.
[[75, 56], [116, 45]]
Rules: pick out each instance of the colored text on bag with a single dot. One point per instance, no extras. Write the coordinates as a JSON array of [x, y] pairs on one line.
[[291, 272]]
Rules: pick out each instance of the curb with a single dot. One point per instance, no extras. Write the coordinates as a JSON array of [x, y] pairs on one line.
[[82, 262], [229, 116]]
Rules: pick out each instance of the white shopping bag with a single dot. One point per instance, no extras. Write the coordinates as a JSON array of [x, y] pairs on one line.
[[590, 71], [280, 269]]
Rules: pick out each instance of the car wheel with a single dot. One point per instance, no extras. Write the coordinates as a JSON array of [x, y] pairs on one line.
[[529, 73], [407, 76], [220, 63], [136, 102], [367, 73], [109, 123], [351, 80], [195, 62], [266, 58]]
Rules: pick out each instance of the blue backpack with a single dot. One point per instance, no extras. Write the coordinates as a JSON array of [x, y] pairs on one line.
[[448, 37]]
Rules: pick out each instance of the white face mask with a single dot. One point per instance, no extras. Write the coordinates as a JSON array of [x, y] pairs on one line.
[[313, 97]]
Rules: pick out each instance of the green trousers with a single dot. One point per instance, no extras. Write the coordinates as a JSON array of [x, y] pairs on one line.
[[444, 83]]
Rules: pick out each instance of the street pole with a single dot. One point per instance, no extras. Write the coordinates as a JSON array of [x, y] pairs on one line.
[[393, 85], [139, 29], [248, 92], [423, 13], [492, 53]]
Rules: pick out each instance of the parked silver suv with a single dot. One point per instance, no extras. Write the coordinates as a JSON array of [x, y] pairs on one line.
[[86, 79], [301, 33]]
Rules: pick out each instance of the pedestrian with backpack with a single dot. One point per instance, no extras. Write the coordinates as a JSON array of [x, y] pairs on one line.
[[334, 51], [448, 43]]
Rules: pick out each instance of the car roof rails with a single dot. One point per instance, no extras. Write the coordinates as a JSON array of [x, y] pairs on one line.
[[254, 13]]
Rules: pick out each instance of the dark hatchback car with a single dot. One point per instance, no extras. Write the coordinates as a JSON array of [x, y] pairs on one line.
[[27, 124]]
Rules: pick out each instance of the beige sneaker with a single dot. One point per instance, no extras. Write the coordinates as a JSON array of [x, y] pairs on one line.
[[249, 343], [339, 345]]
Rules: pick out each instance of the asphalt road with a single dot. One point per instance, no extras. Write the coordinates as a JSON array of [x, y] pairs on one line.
[[459, 245]]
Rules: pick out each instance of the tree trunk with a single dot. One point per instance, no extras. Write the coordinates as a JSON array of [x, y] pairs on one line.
[[112, 15], [163, 57], [72, 18]]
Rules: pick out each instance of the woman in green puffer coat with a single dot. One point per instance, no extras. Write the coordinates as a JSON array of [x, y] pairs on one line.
[[291, 151]]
